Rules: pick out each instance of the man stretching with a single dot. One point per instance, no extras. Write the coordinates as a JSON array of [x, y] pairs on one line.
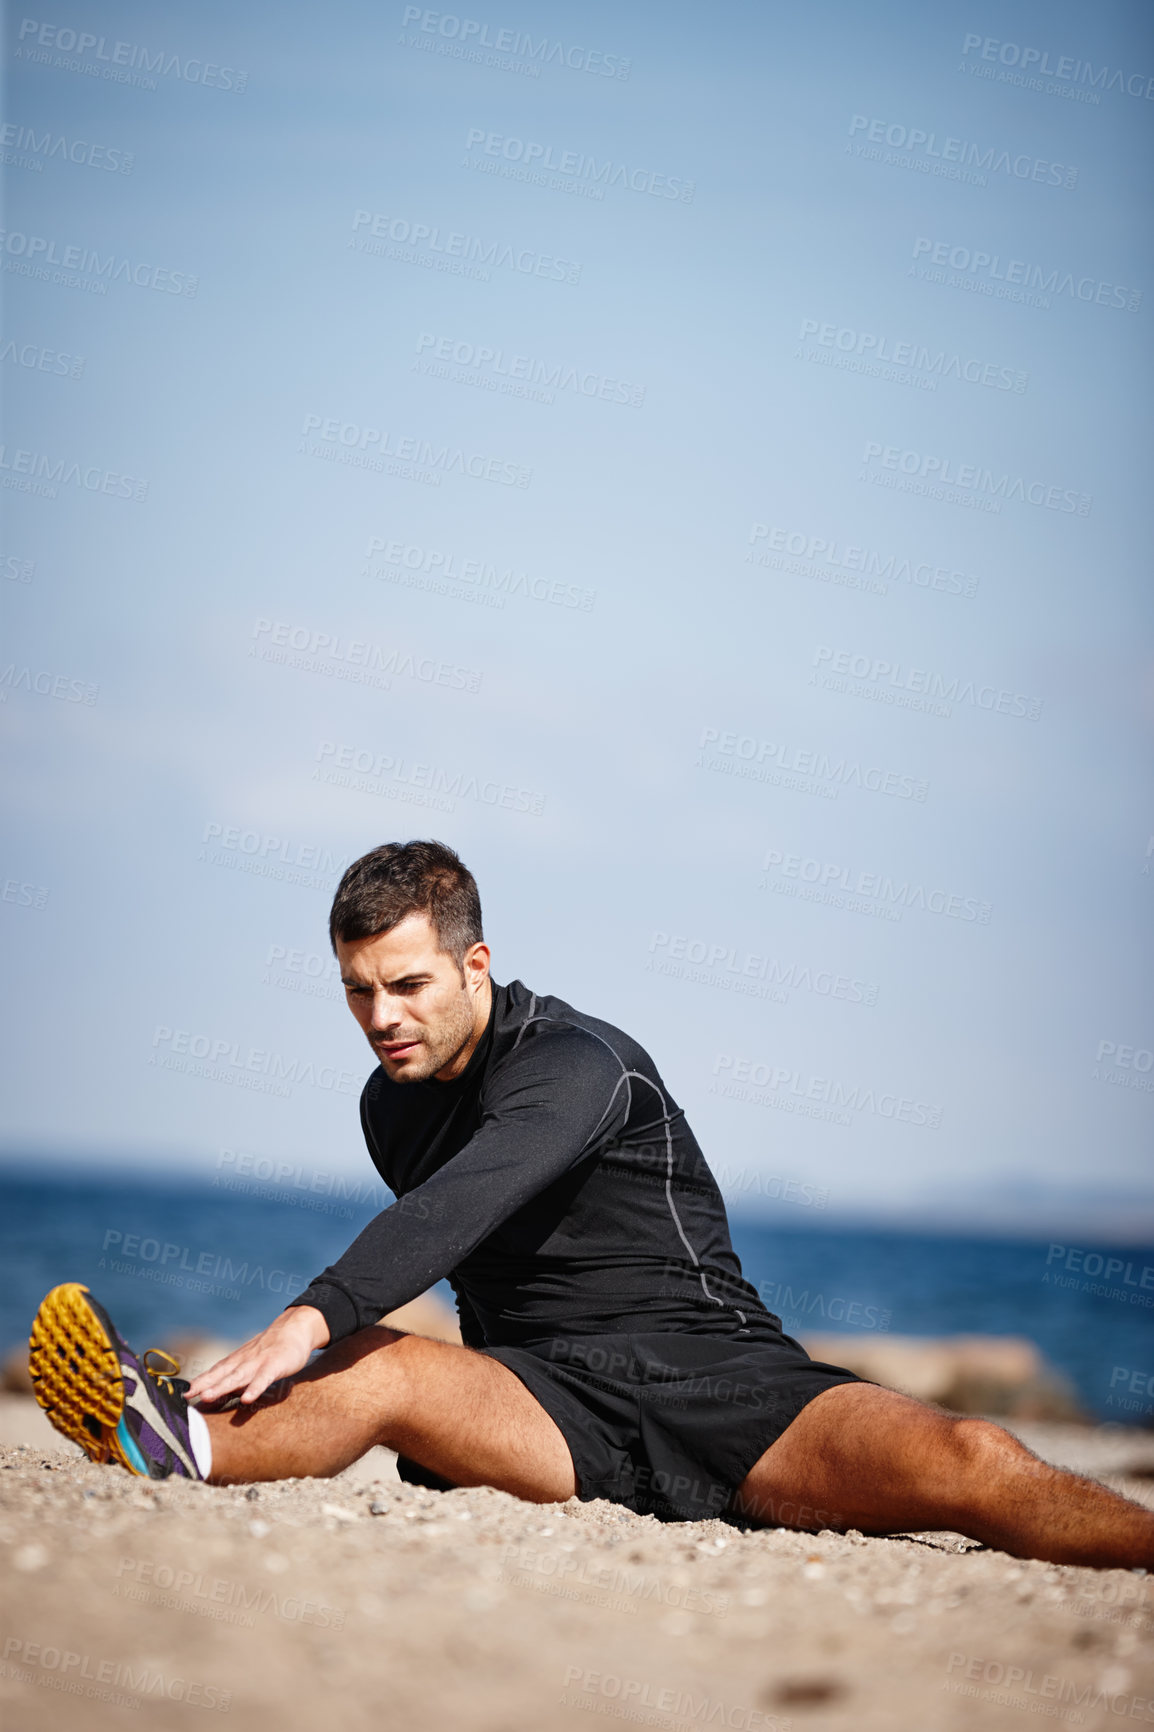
[[611, 1346]]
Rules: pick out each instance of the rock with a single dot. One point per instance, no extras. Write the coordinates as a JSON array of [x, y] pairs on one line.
[[428, 1315], [14, 1378], [803, 1692], [1004, 1375]]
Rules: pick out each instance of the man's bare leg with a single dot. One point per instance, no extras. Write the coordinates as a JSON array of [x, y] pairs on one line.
[[465, 1416], [868, 1458]]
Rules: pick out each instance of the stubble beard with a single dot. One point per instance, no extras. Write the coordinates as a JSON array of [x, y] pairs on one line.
[[441, 1044]]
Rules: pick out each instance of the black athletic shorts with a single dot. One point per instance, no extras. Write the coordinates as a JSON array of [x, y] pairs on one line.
[[667, 1425]]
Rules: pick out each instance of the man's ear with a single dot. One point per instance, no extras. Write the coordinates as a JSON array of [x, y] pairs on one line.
[[475, 965]]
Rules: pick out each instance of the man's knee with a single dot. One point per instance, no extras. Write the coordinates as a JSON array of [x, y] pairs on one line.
[[981, 1452]]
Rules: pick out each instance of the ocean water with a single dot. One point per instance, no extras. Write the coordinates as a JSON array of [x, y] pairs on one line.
[[169, 1257]]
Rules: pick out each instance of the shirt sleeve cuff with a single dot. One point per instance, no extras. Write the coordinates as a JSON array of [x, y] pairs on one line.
[[336, 1306]]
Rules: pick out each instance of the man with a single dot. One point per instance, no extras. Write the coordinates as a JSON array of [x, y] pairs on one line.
[[612, 1347]]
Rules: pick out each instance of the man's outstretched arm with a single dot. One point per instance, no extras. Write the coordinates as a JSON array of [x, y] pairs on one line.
[[563, 1094]]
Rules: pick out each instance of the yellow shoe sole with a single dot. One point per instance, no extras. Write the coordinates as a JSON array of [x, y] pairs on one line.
[[75, 1371]]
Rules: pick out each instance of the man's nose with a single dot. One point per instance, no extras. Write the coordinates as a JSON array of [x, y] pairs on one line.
[[385, 1011]]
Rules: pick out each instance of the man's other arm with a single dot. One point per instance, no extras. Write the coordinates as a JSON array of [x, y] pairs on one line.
[[556, 1096]]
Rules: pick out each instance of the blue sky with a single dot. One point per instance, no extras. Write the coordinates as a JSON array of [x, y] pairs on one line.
[[773, 331]]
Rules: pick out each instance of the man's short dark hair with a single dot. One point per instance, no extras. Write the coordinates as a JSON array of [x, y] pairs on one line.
[[397, 879]]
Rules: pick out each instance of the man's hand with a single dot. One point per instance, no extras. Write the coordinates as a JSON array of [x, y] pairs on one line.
[[278, 1351]]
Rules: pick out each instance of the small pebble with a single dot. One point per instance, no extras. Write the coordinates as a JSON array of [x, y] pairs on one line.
[[338, 1512]]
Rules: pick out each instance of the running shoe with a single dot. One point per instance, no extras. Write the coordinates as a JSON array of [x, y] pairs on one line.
[[98, 1393]]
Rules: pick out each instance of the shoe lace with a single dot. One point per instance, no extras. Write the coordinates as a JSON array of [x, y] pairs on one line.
[[165, 1376]]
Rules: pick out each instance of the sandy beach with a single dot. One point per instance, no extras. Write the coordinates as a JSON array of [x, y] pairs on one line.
[[371, 1605]]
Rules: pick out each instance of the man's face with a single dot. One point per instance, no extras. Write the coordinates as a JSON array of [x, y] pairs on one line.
[[419, 1016]]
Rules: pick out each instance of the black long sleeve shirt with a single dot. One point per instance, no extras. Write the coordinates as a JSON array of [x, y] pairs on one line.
[[555, 1183]]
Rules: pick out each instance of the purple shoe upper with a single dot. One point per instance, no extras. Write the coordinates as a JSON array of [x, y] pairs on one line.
[[154, 1431]]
